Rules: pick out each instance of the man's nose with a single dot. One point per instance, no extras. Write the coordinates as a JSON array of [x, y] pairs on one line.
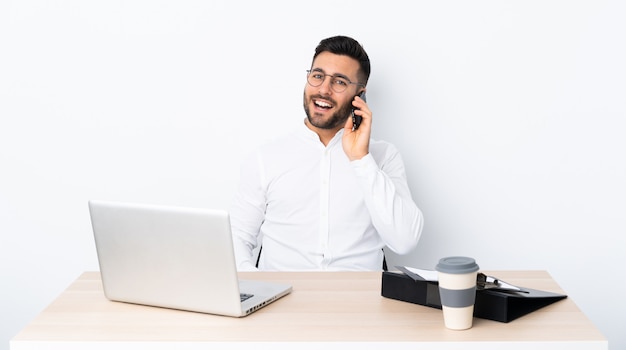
[[326, 88]]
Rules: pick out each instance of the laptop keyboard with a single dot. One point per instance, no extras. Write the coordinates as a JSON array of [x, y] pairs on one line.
[[245, 296]]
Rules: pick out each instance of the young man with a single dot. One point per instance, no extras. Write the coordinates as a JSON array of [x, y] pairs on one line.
[[327, 197]]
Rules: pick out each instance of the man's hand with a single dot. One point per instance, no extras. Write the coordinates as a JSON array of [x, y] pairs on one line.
[[356, 143]]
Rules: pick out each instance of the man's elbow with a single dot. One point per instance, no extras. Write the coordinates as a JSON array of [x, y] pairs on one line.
[[411, 239]]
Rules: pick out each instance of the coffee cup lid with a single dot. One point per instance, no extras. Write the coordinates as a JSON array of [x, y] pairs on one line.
[[457, 265]]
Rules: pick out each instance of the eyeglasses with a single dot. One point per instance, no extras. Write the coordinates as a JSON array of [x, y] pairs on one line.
[[338, 84]]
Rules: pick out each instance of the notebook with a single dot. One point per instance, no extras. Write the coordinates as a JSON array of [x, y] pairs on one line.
[[174, 257]]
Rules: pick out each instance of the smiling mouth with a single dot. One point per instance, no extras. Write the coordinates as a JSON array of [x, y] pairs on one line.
[[322, 104]]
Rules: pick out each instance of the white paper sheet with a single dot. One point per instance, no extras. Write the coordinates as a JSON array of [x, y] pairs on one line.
[[429, 275]]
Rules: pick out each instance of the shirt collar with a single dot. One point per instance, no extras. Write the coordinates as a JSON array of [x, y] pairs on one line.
[[313, 136]]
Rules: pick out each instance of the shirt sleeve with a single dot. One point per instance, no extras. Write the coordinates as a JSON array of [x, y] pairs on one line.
[[247, 213], [394, 214]]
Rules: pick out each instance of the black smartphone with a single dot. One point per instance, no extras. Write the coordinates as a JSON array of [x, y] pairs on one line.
[[356, 119]]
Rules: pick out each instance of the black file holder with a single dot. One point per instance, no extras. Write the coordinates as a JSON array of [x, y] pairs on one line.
[[492, 305]]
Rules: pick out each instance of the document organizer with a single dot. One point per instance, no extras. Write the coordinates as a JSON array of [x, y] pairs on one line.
[[491, 305]]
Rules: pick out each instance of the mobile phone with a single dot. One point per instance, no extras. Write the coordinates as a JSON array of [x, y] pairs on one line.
[[356, 119]]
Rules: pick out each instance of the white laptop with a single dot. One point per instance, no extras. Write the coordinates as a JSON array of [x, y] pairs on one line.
[[173, 257]]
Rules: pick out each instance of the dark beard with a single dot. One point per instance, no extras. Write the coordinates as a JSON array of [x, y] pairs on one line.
[[338, 119]]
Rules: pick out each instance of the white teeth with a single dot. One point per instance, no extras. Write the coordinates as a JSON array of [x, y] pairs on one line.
[[322, 104]]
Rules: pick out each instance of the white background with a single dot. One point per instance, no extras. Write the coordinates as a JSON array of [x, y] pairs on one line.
[[510, 116]]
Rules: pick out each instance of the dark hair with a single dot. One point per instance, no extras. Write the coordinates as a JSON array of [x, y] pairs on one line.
[[343, 45]]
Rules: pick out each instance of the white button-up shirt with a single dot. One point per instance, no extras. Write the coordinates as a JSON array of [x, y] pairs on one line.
[[317, 210]]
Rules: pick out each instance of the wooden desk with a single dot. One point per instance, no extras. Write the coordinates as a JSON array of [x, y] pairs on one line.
[[333, 308]]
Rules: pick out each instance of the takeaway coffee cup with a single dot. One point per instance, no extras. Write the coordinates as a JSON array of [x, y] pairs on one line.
[[457, 289]]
